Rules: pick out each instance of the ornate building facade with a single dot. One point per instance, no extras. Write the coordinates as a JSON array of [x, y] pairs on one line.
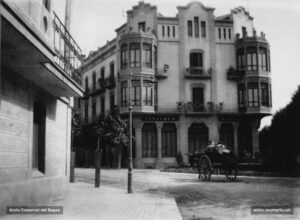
[[195, 78]]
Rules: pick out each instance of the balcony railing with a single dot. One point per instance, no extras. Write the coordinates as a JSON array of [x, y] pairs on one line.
[[199, 107], [69, 54], [234, 74], [198, 73]]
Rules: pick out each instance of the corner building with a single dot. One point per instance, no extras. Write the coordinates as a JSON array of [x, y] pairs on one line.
[[195, 78], [39, 77]]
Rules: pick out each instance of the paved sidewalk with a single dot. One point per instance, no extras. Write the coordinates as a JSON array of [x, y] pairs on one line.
[[83, 201]]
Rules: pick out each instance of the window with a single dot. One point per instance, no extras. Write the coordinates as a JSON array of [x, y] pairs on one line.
[[196, 26], [197, 137], [102, 100], [94, 109], [241, 95], [147, 56], [252, 95], [190, 28], [264, 94], [169, 140], [262, 59], [135, 93], [94, 81], [203, 29], [86, 112], [163, 31], [86, 84], [149, 140], [112, 69], [240, 59], [112, 101], [124, 94], [244, 30], [102, 72], [251, 58], [220, 34], [135, 55], [142, 26], [229, 33], [224, 32], [79, 104], [174, 31], [147, 93], [196, 63], [46, 3], [39, 135], [168, 31], [124, 57], [155, 57], [198, 99]]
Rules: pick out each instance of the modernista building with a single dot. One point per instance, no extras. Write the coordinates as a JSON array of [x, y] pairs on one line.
[[38, 76], [195, 78]]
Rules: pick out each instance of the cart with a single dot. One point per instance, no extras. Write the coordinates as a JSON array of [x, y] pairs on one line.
[[215, 158]]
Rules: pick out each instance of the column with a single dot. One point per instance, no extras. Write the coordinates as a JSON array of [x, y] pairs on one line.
[[235, 138], [255, 141], [138, 160], [159, 162]]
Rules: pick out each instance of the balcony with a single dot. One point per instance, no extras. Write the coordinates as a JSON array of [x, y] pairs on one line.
[[38, 47], [198, 73], [233, 74], [162, 72], [194, 108]]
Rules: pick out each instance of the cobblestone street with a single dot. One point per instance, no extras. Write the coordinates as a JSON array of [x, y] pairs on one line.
[[217, 199]]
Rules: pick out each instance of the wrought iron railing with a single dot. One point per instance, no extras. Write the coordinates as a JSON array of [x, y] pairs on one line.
[[69, 54]]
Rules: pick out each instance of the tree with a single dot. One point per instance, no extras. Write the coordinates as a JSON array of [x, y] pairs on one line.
[[114, 131]]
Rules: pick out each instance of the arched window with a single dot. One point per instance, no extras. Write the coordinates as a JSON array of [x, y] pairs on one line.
[[149, 140], [226, 135], [39, 134], [197, 137], [169, 140]]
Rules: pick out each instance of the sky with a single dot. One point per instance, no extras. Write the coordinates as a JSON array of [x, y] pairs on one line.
[[93, 23]]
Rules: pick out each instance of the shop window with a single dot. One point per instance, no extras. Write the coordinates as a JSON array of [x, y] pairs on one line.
[[169, 140], [147, 56], [124, 57], [149, 140], [135, 93], [203, 29], [196, 63], [253, 95], [244, 139], [39, 135], [135, 55], [147, 93], [190, 28], [124, 90], [142, 26], [251, 58], [226, 135], [197, 137], [241, 95], [196, 26], [264, 94]]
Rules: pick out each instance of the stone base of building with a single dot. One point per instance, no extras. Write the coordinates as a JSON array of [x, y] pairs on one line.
[[39, 191]]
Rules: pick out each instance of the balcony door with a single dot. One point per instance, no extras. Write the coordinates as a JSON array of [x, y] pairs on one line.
[[198, 99]]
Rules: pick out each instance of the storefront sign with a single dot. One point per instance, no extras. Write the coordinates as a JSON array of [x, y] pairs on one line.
[[160, 118]]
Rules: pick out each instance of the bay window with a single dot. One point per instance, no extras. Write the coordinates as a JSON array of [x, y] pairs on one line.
[[147, 55], [135, 55], [253, 95]]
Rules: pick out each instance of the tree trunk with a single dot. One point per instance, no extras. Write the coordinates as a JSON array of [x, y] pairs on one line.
[[119, 157]]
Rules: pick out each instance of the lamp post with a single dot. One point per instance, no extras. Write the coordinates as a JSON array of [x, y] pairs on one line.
[[129, 190]]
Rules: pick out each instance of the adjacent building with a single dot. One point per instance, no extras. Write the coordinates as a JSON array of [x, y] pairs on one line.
[[39, 62], [194, 78]]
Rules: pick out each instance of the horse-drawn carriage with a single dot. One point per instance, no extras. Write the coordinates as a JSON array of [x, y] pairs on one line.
[[216, 157]]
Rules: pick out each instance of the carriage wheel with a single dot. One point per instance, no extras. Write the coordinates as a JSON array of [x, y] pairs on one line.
[[231, 172], [204, 168]]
